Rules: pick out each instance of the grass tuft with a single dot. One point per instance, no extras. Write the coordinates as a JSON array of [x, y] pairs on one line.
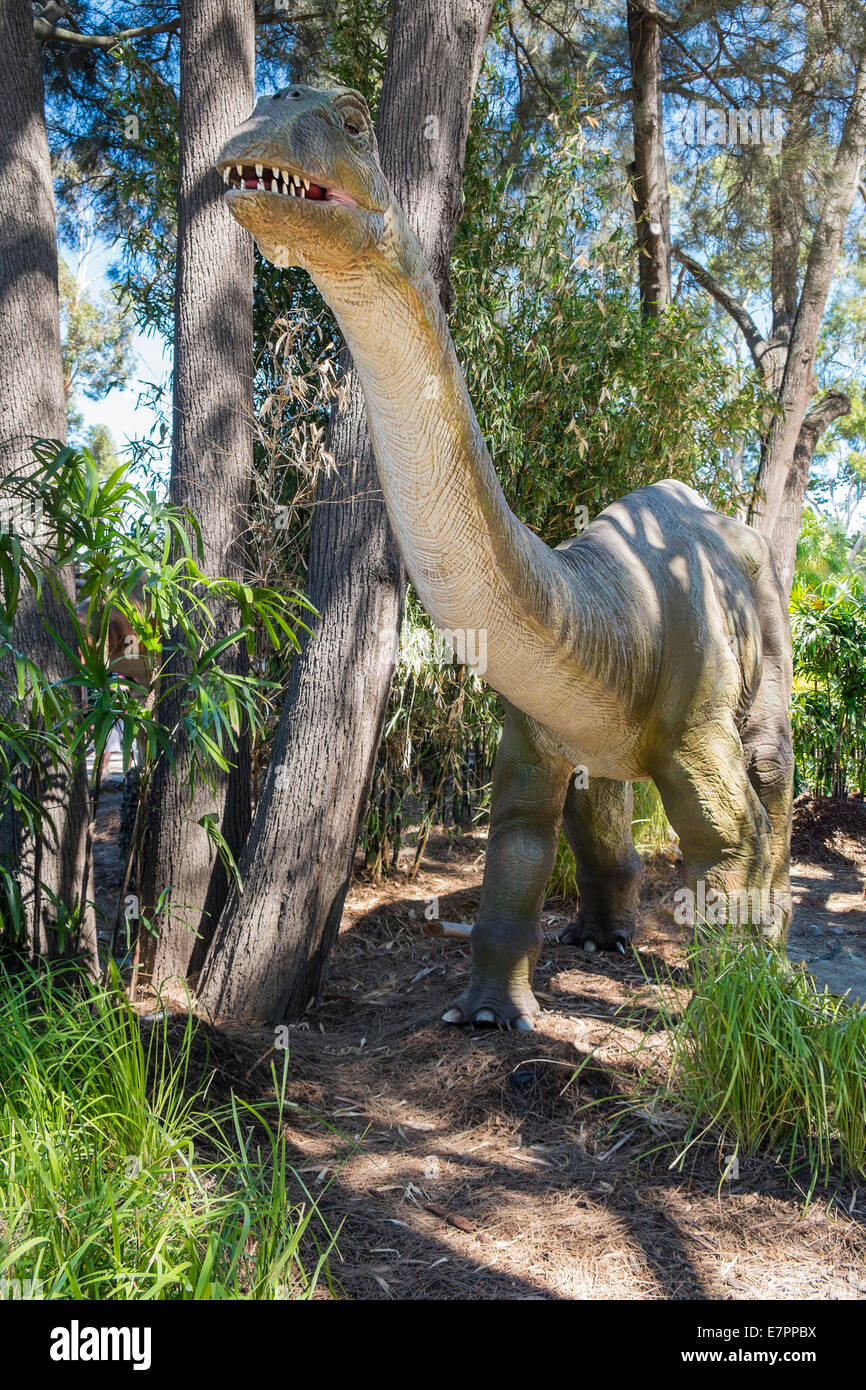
[[769, 1060], [114, 1182]]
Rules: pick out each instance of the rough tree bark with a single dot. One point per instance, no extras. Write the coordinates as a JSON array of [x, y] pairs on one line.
[[782, 478], [269, 952], [649, 172], [32, 404], [212, 451], [786, 356]]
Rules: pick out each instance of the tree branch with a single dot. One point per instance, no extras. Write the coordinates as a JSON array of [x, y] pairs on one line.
[[51, 33], [741, 316], [822, 415], [520, 48]]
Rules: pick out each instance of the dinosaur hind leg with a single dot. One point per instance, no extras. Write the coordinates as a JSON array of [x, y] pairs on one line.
[[597, 821], [528, 791], [724, 831]]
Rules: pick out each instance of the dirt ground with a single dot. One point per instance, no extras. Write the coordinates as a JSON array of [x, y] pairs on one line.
[[828, 881], [458, 1164]]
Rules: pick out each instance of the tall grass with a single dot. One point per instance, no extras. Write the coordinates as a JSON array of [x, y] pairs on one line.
[[114, 1183], [775, 1064]]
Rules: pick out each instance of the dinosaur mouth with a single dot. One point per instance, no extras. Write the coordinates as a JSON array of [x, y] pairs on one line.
[[264, 178]]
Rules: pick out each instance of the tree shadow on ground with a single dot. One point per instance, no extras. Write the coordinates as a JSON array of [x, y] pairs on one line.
[[460, 1163]]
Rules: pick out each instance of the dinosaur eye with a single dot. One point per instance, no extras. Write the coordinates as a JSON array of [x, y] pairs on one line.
[[352, 129]]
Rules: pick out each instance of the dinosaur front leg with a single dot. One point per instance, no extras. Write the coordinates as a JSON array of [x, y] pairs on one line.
[[724, 831], [528, 791], [771, 773], [597, 821]]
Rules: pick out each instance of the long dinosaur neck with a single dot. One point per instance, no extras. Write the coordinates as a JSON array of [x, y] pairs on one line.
[[475, 566]]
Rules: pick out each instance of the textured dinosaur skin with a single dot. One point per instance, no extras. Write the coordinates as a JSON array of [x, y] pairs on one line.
[[652, 646]]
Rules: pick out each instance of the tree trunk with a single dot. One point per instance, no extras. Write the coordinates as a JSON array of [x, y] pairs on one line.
[[786, 358], [649, 178], [786, 531], [212, 452], [32, 404], [781, 482], [270, 949]]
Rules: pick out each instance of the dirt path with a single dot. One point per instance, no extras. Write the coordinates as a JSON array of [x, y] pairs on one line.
[[828, 932], [828, 882], [458, 1164]]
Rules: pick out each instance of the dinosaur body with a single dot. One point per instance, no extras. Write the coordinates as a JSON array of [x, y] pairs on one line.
[[653, 645]]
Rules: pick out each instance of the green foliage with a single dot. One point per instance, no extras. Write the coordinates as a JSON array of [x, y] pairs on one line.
[[99, 443], [839, 477], [763, 1056], [353, 52], [140, 556], [115, 1183], [96, 338], [136, 171], [822, 551], [828, 708], [436, 754], [581, 400]]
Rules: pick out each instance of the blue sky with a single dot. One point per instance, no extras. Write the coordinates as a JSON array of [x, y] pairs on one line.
[[125, 415], [121, 410]]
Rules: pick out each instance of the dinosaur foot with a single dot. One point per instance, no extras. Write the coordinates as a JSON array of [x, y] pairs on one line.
[[493, 1004], [593, 936]]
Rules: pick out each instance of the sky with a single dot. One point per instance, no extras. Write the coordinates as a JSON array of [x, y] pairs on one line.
[[121, 410], [125, 415]]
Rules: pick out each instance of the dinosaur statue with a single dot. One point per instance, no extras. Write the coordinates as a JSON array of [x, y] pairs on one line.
[[654, 645]]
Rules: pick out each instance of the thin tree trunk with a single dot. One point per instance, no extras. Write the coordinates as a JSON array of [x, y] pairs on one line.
[[773, 512], [212, 453], [786, 357], [32, 404], [270, 949], [786, 531], [649, 179]]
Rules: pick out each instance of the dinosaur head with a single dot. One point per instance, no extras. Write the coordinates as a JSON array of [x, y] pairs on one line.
[[303, 175]]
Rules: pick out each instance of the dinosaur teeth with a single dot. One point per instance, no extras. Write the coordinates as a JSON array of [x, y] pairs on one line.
[[271, 179]]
